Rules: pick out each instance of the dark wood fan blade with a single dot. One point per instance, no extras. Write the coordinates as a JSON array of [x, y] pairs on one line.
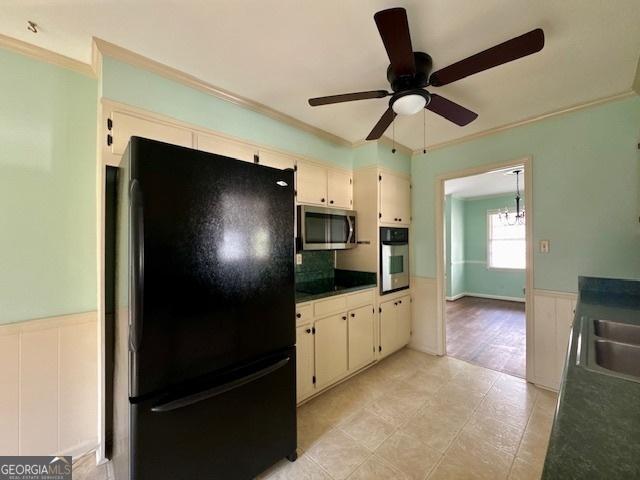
[[382, 125], [508, 51], [347, 97], [451, 110], [394, 30]]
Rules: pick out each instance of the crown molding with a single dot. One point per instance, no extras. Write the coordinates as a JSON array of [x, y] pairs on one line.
[[527, 121], [387, 141], [127, 56], [42, 54]]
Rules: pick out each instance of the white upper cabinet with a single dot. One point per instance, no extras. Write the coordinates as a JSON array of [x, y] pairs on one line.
[[226, 147], [339, 189], [276, 159], [311, 183], [319, 185], [395, 199], [125, 126]]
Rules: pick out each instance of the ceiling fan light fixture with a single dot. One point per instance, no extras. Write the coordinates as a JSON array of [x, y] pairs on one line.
[[409, 104]]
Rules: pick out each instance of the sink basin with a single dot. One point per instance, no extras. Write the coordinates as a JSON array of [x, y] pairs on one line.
[[618, 357], [618, 332]]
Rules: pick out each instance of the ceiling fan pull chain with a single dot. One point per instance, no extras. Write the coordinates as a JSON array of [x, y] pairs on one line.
[[393, 135], [424, 131]]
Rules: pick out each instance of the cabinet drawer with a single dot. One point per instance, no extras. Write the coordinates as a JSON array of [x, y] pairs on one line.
[[331, 305], [360, 298], [304, 314]]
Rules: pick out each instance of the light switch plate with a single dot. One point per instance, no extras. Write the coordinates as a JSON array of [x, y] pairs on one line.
[[544, 246], [298, 259]]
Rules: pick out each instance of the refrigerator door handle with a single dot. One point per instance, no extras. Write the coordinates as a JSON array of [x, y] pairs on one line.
[[137, 270], [220, 389]]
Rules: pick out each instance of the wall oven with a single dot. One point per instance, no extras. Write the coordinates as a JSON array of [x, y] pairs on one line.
[[394, 259], [321, 228]]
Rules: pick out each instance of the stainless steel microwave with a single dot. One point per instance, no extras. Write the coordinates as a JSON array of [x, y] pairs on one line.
[[322, 228]]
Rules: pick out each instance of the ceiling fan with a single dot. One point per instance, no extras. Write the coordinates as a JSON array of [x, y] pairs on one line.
[[410, 73]]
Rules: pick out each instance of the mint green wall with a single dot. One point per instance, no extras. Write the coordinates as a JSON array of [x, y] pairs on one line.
[[47, 190], [140, 88], [479, 279], [585, 191], [455, 225], [380, 154]]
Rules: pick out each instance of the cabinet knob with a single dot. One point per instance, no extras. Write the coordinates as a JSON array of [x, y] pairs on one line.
[[395, 219], [331, 202], [298, 315], [399, 301], [395, 303], [399, 219], [322, 200], [344, 318], [308, 330], [353, 315]]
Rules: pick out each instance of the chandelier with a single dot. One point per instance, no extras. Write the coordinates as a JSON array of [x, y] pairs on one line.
[[517, 217]]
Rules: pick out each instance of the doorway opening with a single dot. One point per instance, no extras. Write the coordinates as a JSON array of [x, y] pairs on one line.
[[485, 274]]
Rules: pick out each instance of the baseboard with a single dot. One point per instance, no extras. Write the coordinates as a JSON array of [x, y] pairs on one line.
[[422, 348], [484, 295], [455, 297]]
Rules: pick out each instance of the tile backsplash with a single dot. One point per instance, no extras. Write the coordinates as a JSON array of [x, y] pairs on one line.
[[315, 266]]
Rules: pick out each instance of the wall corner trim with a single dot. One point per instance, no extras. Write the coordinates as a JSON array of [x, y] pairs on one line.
[[636, 79]]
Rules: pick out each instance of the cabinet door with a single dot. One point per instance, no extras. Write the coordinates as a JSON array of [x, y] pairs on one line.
[[126, 126], [304, 362], [339, 189], [403, 320], [403, 191], [389, 204], [361, 349], [331, 349], [226, 147], [276, 160], [388, 328], [311, 183]]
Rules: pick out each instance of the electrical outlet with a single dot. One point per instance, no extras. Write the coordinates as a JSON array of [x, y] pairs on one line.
[[544, 246], [298, 259]]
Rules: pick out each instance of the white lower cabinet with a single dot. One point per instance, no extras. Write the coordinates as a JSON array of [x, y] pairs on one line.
[[331, 349], [304, 361], [334, 338], [395, 324], [361, 348]]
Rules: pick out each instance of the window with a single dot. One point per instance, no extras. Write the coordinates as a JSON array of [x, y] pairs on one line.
[[506, 247]]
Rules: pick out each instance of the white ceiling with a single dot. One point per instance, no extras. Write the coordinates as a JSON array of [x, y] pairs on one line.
[[280, 53], [491, 183]]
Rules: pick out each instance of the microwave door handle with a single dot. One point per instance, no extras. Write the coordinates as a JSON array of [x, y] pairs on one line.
[[351, 231]]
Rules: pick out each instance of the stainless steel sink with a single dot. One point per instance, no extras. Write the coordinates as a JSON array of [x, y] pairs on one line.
[[607, 347], [616, 331], [618, 357]]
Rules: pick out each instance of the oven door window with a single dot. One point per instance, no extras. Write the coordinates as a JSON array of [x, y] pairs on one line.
[[396, 264], [316, 227]]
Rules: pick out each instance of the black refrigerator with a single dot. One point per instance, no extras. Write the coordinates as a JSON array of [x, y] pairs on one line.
[[204, 329]]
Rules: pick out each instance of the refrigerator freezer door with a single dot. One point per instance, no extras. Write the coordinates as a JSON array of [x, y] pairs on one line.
[[218, 267], [235, 431]]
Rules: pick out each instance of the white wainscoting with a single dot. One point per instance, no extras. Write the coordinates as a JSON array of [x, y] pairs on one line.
[[425, 333], [553, 313], [49, 385]]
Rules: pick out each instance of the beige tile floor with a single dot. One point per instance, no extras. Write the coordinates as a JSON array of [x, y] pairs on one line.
[[415, 417]]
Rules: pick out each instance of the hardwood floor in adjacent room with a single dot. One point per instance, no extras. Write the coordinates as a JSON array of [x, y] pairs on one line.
[[489, 333]]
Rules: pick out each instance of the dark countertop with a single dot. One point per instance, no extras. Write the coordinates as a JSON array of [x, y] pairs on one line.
[[343, 281], [596, 429]]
